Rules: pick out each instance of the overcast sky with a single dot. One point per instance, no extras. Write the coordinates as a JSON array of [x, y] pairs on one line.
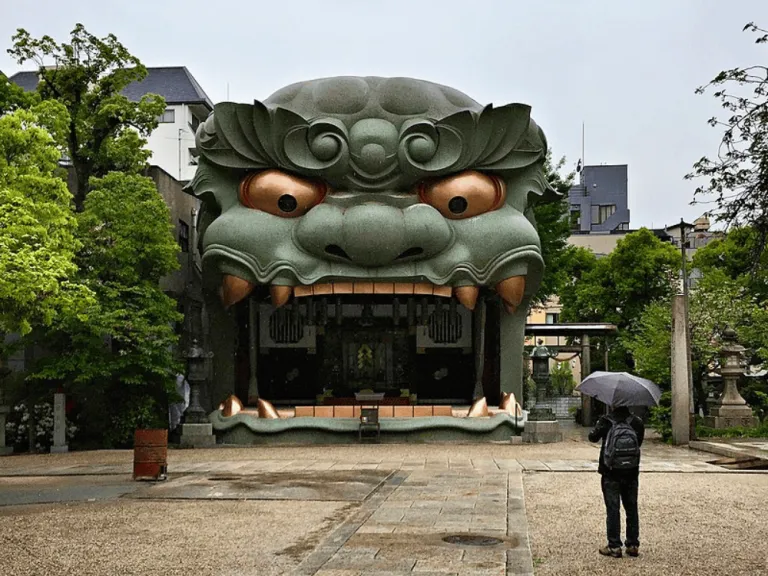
[[627, 69]]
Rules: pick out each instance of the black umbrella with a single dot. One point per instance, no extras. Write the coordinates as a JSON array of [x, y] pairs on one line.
[[620, 389]]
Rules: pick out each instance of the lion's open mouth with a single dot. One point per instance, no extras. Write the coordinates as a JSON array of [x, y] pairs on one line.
[[511, 290]]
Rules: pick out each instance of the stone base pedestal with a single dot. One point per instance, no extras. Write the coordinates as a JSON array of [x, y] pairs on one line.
[[542, 432], [197, 436], [59, 449], [721, 422], [541, 413], [725, 416], [729, 416]]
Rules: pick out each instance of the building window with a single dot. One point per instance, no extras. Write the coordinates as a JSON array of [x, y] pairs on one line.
[[184, 236], [601, 213], [167, 117], [575, 219], [552, 318]]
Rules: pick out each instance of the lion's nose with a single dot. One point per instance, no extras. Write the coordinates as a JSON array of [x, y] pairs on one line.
[[373, 234]]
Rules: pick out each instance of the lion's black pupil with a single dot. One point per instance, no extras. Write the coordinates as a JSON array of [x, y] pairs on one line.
[[457, 205], [287, 203]]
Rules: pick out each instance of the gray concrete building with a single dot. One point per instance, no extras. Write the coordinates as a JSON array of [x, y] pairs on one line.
[[599, 203]]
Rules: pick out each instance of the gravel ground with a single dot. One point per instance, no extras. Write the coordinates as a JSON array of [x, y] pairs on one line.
[[201, 538], [690, 524]]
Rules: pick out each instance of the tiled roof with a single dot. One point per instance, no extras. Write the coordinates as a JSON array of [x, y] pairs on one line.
[[174, 83], [27, 80]]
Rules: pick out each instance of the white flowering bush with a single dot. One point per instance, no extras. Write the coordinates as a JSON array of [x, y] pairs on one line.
[[17, 427]]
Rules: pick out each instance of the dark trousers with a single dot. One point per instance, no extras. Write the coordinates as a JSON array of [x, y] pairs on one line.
[[617, 491]]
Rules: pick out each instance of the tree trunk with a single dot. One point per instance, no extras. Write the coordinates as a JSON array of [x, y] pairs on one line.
[[81, 188]]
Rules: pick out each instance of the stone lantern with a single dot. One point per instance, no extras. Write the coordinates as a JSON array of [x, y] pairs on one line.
[[540, 414], [196, 431], [731, 409], [540, 359]]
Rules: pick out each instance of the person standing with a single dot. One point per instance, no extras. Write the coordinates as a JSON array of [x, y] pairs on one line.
[[622, 435]]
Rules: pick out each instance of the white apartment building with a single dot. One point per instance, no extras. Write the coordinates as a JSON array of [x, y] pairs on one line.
[[172, 143]]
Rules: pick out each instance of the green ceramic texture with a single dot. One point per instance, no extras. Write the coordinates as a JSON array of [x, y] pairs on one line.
[[372, 140]]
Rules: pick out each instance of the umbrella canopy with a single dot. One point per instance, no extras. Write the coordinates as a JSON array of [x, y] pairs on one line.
[[620, 389]]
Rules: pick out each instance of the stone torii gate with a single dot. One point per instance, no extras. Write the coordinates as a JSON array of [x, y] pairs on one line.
[[583, 331]]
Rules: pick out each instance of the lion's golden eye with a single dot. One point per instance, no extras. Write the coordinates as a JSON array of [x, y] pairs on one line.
[[281, 194], [464, 195]]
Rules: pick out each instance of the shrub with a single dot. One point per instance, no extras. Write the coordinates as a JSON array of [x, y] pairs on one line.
[[17, 427], [760, 431], [756, 395], [661, 417], [141, 412], [562, 379]]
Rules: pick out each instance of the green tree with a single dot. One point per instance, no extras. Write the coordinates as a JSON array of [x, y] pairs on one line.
[[618, 287], [738, 177], [117, 362], [716, 303], [127, 248], [37, 227], [87, 76], [13, 97], [554, 227], [734, 255]]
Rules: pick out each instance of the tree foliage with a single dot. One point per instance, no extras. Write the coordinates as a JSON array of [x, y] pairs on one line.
[[738, 177], [87, 75], [618, 287], [127, 348], [115, 357], [13, 97], [717, 302], [37, 227], [734, 255], [554, 228]]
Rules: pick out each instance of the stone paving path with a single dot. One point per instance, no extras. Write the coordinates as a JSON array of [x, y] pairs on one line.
[[457, 464], [734, 448], [401, 529]]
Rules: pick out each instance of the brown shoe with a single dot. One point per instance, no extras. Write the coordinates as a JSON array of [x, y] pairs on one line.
[[633, 551], [612, 552]]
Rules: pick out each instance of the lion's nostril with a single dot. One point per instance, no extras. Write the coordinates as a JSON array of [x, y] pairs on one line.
[[411, 252], [335, 250]]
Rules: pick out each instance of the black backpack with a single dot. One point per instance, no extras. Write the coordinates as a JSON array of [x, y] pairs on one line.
[[622, 448]]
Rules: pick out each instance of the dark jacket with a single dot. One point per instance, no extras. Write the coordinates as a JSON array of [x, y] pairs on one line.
[[600, 432]]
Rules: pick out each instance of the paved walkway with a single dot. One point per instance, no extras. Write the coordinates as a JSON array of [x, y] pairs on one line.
[[734, 448], [455, 464], [399, 503]]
